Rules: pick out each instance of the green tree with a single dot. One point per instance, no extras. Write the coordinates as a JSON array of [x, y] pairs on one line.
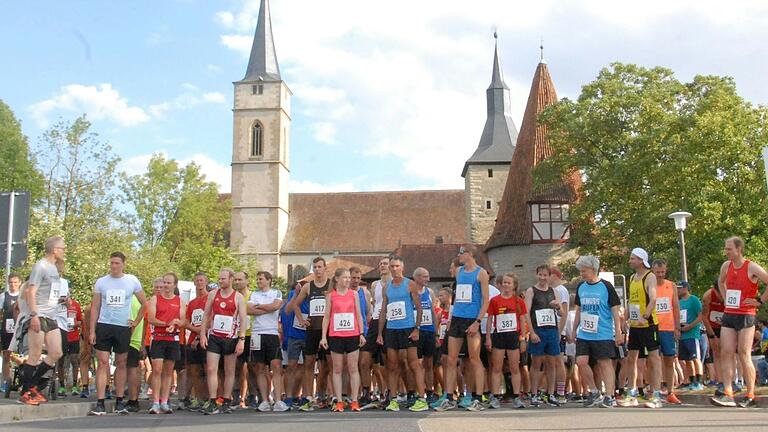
[[16, 162], [646, 145]]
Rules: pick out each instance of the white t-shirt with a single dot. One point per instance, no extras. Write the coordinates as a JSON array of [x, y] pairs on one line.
[[61, 315], [378, 298], [266, 323], [492, 292], [116, 298], [561, 292], [570, 348]]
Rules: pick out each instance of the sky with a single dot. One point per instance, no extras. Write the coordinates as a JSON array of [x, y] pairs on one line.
[[386, 95]]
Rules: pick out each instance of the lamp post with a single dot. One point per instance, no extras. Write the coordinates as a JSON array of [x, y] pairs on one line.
[[681, 221]]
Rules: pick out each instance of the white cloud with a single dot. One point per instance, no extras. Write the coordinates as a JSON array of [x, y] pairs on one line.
[[324, 132], [214, 97], [100, 102], [190, 98], [306, 186]]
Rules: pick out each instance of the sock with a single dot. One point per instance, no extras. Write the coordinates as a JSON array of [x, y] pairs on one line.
[[366, 391], [212, 400], [698, 378], [26, 375], [40, 370], [100, 402], [692, 379], [561, 388], [118, 399], [751, 395], [508, 382], [475, 396]]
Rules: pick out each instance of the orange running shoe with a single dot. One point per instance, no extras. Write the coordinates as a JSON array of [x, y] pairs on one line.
[[673, 399], [354, 406], [39, 397], [339, 407], [28, 398]]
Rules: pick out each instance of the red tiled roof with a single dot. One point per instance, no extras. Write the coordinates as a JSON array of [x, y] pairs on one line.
[[373, 222], [513, 223]]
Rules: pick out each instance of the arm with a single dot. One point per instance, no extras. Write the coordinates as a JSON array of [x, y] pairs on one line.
[[576, 323], [721, 283], [95, 311], [143, 300], [650, 284], [676, 315], [206, 319], [152, 313], [618, 334], [432, 295], [382, 317], [705, 300], [359, 316], [326, 321], [483, 278], [242, 312], [416, 299], [563, 314], [298, 299], [760, 273], [367, 295]]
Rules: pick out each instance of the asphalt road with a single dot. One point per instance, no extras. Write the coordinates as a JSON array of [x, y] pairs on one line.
[[679, 419]]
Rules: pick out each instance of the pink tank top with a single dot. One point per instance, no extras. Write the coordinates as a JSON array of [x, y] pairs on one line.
[[343, 321]]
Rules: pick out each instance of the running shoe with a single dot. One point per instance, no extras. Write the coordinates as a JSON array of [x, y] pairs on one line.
[[517, 403], [98, 410], [438, 402], [155, 409], [85, 394], [594, 399], [476, 405], [748, 402], [211, 408], [39, 396], [132, 406], [120, 408], [446, 405], [552, 401], [653, 402], [309, 406], [226, 407], [419, 405], [696, 387], [494, 403], [536, 401], [723, 401], [280, 406], [627, 401], [264, 407], [608, 402], [338, 407], [465, 402], [393, 405], [62, 392], [165, 408], [354, 406], [673, 399], [28, 399], [75, 390]]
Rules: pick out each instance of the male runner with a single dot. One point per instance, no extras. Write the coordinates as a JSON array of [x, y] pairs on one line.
[[713, 309], [470, 305], [195, 353], [668, 313], [427, 346], [243, 370], [38, 307], [294, 336], [224, 310], [402, 334], [563, 299], [8, 301], [597, 331], [264, 307], [738, 283], [371, 353], [111, 328], [690, 329], [643, 330]]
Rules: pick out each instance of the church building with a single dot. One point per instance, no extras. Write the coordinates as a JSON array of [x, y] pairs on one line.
[[499, 208]]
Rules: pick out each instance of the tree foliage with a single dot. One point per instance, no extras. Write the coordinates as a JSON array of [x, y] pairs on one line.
[[16, 162], [647, 145]]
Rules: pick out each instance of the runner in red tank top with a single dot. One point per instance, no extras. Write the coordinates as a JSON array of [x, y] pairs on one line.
[[224, 309], [165, 314], [738, 285], [713, 309], [195, 355]]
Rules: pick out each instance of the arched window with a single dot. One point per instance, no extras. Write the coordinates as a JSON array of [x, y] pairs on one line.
[[257, 140]]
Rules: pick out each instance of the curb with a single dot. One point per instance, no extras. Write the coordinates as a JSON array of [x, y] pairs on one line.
[[703, 400], [11, 413]]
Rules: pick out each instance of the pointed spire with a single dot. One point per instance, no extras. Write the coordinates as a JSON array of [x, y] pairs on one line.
[[497, 79], [497, 143], [513, 223], [262, 64]]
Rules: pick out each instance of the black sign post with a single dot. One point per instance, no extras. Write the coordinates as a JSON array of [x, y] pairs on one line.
[[14, 228]]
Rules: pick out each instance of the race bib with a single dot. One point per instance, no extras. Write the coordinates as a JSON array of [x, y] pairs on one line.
[[255, 342], [343, 321], [634, 312], [716, 317], [663, 305], [443, 328], [396, 311], [545, 317], [53, 296], [223, 323], [683, 316], [70, 323], [376, 311], [197, 317], [426, 317], [299, 323], [733, 299], [10, 325], [483, 323], [463, 293], [506, 323], [115, 298], [317, 307], [589, 323]]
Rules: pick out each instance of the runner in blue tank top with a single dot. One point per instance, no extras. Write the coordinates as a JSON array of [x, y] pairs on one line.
[[427, 341], [470, 305], [401, 337]]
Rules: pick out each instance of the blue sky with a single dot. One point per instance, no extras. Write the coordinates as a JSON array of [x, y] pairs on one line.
[[387, 95]]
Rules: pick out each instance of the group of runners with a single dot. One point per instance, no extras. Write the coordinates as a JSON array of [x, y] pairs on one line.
[[334, 343]]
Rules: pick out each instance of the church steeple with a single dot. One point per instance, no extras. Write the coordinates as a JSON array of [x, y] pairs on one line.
[[499, 134], [262, 65]]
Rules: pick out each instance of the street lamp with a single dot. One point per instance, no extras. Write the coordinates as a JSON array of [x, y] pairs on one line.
[[681, 221]]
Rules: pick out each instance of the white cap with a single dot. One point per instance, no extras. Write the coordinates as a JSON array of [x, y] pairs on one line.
[[643, 255]]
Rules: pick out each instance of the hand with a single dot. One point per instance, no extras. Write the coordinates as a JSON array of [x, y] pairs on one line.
[[379, 340], [488, 343], [34, 324], [642, 321], [131, 324], [203, 340], [523, 346], [240, 346], [472, 329], [195, 343], [535, 338], [92, 338], [324, 343], [555, 304], [752, 302], [570, 339], [677, 334], [619, 338], [414, 336], [362, 340], [306, 323], [170, 328]]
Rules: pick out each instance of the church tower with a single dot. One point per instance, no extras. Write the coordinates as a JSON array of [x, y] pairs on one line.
[[485, 172], [260, 165]]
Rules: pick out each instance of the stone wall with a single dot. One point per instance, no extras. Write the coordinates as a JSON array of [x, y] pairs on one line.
[[523, 260], [479, 188]]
